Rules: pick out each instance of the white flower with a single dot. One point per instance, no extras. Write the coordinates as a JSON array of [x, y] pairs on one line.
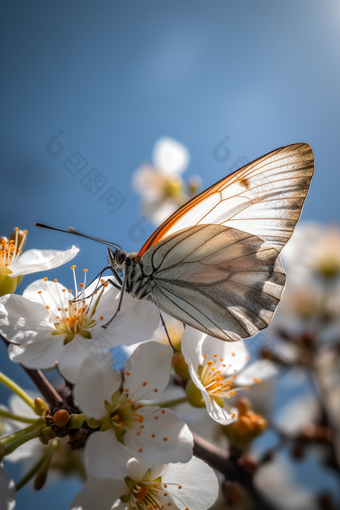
[[214, 368], [191, 486], [148, 433], [311, 299], [46, 326], [13, 264], [7, 490], [160, 185]]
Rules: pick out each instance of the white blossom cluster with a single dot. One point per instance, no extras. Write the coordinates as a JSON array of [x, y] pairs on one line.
[[139, 455]]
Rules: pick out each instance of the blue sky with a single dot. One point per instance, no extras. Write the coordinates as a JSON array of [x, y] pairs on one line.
[[115, 76]]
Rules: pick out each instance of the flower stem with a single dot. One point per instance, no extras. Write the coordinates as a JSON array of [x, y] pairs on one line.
[[21, 440], [20, 435], [12, 416], [43, 471], [169, 403], [16, 389], [38, 465]]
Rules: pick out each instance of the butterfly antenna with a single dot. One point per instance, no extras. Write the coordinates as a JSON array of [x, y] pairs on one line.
[[71, 230]]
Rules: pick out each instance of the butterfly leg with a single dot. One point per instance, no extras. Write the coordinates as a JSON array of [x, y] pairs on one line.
[[166, 331], [122, 289]]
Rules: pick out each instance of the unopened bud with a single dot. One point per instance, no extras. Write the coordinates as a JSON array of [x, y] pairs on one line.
[[76, 420], [40, 406], [40, 480], [180, 366], [48, 433], [243, 405], [195, 397], [244, 429], [43, 441], [61, 418]]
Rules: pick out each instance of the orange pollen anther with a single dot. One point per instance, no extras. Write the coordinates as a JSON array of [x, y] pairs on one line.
[[256, 380]]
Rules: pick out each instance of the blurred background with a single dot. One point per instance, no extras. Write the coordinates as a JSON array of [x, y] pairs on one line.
[[89, 87]]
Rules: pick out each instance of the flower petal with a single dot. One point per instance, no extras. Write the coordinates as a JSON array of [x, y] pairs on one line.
[[149, 368], [164, 438], [94, 386], [199, 483], [106, 457], [170, 156], [22, 321], [217, 413], [136, 321], [72, 357], [52, 293], [40, 355], [234, 354], [100, 494], [34, 261], [255, 372], [192, 341], [136, 469]]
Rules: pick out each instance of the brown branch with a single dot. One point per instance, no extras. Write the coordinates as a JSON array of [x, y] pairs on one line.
[[49, 393], [220, 460]]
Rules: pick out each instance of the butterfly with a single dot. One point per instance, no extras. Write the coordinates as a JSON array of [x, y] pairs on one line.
[[214, 264]]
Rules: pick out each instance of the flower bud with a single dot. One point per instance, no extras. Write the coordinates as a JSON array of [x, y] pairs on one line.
[[43, 441], [194, 395], [48, 433], [244, 429], [40, 406], [76, 421], [180, 366], [61, 418], [40, 480]]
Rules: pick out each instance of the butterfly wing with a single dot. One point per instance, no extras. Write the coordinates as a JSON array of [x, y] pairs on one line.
[[220, 280], [264, 198]]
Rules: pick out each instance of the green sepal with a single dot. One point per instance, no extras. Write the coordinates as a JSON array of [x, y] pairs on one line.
[[56, 332], [68, 338], [93, 423], [106, 424], [130, 484], [125, 498], [115, 397], [86, 334], [108, 407]]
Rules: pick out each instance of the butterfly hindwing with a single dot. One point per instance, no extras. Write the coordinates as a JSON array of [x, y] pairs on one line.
[[218, 279]]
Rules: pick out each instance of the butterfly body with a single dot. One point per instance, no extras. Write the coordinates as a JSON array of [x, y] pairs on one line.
[[214, 264]]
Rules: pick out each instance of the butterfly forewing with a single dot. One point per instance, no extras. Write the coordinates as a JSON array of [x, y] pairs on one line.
[[264, 198], [220, 280]]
